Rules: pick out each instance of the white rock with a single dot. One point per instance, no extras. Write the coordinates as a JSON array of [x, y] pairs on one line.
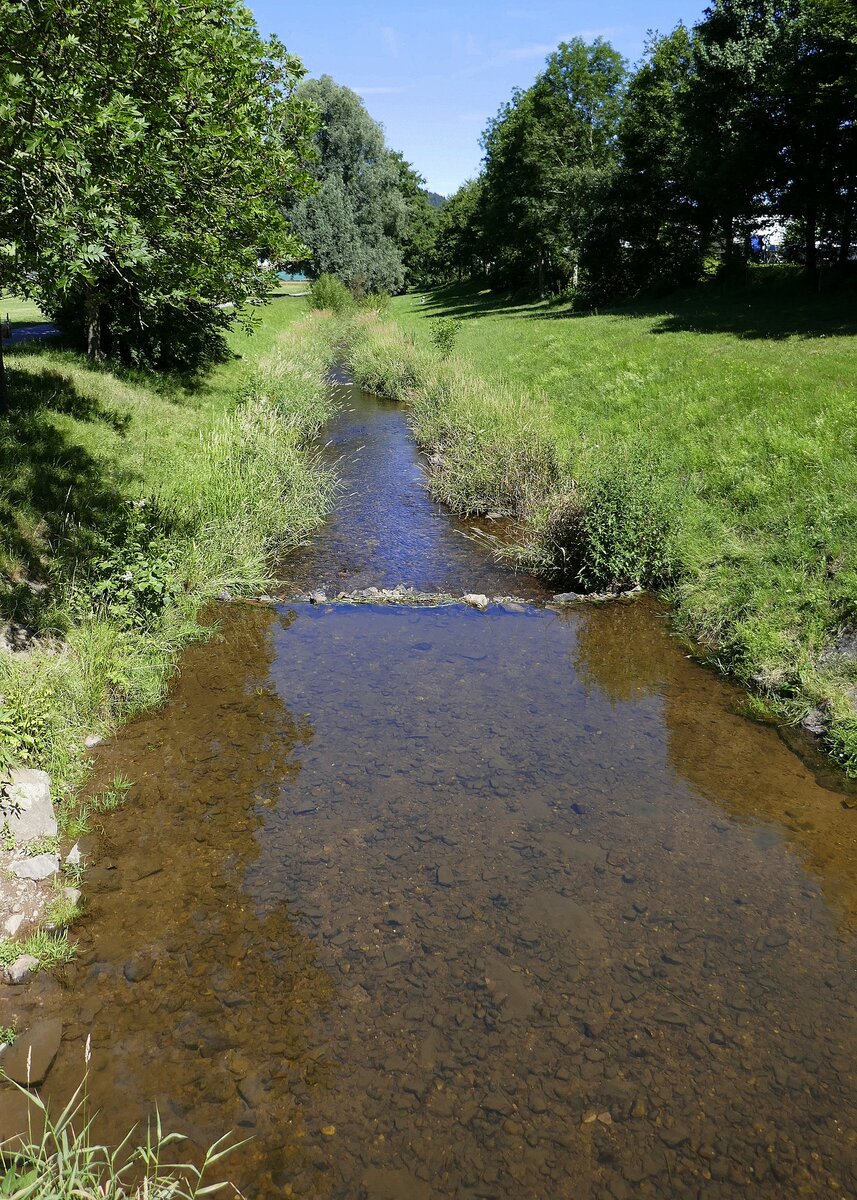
[[29, 812], [21, 969], [72, 894], [72, 859], [12, 924], [41, 866], [476, 601], [92, 740]]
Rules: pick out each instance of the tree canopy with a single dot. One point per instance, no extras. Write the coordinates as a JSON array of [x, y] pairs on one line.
[[608, 182], [147, 146]]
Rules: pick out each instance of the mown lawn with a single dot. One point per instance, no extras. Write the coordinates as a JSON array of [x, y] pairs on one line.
[[745, 402]]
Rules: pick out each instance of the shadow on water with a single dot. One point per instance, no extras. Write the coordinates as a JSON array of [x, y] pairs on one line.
[[437, 903]]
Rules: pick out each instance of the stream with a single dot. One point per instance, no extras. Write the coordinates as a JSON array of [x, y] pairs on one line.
[[437, 903]]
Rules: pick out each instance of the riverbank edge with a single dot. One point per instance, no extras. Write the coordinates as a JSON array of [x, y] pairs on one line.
[[488, 454], [257, 489]]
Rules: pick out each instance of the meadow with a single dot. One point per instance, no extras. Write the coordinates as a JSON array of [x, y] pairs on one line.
[[702, 444]]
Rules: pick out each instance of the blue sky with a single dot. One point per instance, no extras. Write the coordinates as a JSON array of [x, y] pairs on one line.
[[432, 74]]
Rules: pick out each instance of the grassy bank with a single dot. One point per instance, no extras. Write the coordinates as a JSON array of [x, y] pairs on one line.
[[127, 502], [703, 445]]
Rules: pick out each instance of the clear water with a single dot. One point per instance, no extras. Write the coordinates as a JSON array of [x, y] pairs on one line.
[[437, 903]]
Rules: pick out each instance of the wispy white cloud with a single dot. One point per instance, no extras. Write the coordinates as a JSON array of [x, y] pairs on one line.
[[390, 39], [374, 90], [532, 50]]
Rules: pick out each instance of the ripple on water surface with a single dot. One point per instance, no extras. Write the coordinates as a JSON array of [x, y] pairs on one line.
[[435, 903]]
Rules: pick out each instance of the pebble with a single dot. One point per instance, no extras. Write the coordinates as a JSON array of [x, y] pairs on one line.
[[137, 969], [444, 876]]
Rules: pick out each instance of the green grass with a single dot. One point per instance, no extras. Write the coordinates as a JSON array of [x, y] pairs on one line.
[[20, 312], [703, 443], [126, 501], [60, 1160], [50, 947]]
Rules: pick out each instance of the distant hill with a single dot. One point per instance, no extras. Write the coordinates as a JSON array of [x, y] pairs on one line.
[[436, 200]]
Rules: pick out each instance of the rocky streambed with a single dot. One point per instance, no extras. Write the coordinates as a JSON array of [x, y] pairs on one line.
[[452, 890]]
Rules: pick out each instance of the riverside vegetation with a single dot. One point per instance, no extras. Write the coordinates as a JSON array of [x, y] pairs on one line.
[[109, 551], [702, 445]]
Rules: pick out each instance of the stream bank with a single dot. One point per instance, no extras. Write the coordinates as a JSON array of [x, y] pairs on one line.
[[453, 902]]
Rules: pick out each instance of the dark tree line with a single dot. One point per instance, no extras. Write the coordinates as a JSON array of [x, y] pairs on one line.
[[610, 181]]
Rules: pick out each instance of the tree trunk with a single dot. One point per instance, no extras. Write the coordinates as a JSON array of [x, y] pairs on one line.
[[810, 244], [4, 394], [92, 318], [847, 227]]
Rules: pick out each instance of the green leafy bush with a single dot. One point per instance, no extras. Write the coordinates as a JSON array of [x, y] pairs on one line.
[[617, 529], [443, 333], [330, 293]]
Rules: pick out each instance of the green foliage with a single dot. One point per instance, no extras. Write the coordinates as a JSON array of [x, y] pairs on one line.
[[8, 1033], [25, 718], [330, 293], [61, 1160], [620, 531], [443, 334], [50, 947], [140, 198], [356, 223]]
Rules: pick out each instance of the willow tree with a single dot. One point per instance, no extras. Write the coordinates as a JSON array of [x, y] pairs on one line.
[[357, 222], [146, 146]]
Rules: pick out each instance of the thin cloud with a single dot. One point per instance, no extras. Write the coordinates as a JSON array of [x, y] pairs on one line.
[[378, 91], [390, 39]]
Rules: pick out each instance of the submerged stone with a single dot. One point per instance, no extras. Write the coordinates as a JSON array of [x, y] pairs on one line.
[[31, 1056]]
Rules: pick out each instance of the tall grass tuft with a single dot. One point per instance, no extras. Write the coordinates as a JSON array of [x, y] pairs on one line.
[[60, 1160]]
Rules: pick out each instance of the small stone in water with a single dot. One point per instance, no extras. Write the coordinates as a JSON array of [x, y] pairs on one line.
[[328, 1130]]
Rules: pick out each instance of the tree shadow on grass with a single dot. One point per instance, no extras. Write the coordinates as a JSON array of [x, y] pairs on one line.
[[762, 310], [58, 503]]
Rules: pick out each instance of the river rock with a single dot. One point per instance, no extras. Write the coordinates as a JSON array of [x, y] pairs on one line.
[[21, 969], [41, 866], [72, 859], [31, 1057], [29, 812], [12, 924], [476, 600], [92, 740], [21, 1121]]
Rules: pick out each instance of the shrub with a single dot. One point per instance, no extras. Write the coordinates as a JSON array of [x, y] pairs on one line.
[[443, 333], [618, 528], [330, 293]]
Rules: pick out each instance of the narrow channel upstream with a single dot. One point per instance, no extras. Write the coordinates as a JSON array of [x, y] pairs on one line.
[[434, 903]]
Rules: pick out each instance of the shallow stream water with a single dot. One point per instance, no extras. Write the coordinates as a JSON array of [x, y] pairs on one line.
[[433, 903]]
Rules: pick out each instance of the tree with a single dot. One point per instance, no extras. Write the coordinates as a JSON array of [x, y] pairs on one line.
[[146, 145], [422, 215], [815, 99], [548, 154], [730, 125], [459, 243], [663, 227], [357, 222]]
